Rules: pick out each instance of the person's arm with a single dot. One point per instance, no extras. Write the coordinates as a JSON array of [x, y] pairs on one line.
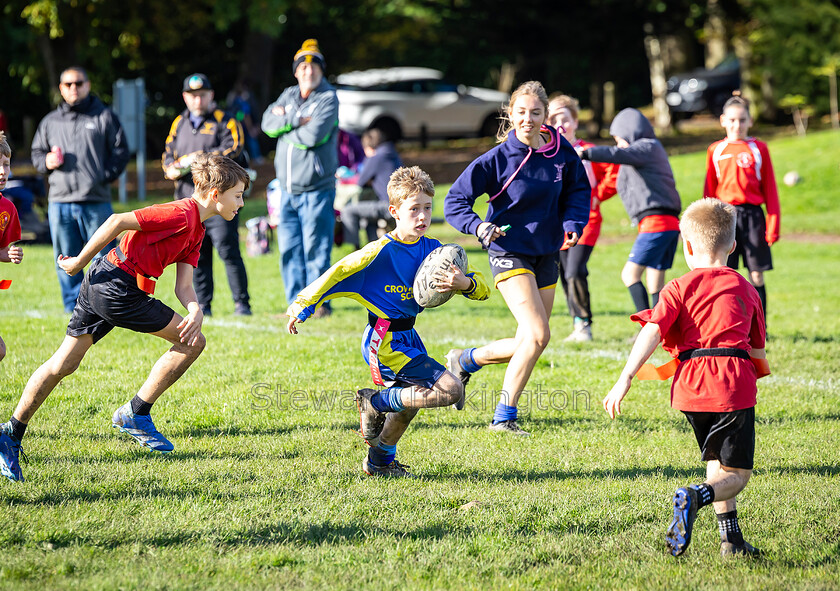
[[636, 154], [113, 227], [577, 195], [607, 177], [711, 184], [11, 253], [116, 145], [41, 148], [230, 137], [185, 292], [459, 201], [278, 118], [771, 196], [316, 123], [646, 343]]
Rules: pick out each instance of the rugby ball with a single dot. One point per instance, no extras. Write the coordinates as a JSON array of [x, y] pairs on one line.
[[425, 288]]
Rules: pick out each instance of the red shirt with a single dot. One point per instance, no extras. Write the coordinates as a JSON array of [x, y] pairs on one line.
[[703, 309], [169, 233], [9, 222], [740, 172], [602, 177]]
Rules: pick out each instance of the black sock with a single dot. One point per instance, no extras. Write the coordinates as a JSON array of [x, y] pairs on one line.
[[639, 295], [729, 529], [18, 428], [140, 406], [762, 294], [705, 494], [654, 299]]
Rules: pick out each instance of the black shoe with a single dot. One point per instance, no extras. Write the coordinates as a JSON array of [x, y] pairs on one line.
[[744, 549], [241, 309], [205, 309], [678, 536], [371, 421]]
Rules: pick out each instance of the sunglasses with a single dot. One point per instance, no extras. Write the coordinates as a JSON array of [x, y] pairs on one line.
[[73, 83]]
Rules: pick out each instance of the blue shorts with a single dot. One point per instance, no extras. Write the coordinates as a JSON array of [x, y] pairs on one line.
[[403, 360], [655, 249]]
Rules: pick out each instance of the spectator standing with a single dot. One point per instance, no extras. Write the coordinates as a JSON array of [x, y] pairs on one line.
[[203, 128], [304, 119], [81, 148]]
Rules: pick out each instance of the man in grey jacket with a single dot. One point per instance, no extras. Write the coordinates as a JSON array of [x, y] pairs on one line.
[[304, 119], [81, 148], [649, 194]]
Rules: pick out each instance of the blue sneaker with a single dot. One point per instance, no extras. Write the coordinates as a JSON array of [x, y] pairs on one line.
[[9, 454], [678, 536], [141, 428]]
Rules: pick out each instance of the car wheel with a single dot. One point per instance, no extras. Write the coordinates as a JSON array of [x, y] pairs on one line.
[[389, 128], [491, 125]]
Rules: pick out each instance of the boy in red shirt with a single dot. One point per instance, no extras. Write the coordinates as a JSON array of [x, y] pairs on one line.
[[739, 172], [563, 116], [116, 292], [711, 320], [9, 222]]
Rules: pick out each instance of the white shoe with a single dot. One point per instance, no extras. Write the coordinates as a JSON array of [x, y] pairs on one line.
[[582, 332]]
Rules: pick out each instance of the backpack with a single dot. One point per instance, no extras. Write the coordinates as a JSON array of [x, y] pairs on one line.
[[257, 241]]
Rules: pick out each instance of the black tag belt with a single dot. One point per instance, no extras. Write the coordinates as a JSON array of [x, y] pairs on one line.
[[715, 352], [397, 324]]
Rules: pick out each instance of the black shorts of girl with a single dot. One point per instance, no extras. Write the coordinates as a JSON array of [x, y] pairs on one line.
[[545, 268], [110, 297], [750, 240], [728, 437]]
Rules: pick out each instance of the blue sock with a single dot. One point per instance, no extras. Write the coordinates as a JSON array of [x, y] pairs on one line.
[[388, 400], [382, 454], [504, 413], [467, 361]]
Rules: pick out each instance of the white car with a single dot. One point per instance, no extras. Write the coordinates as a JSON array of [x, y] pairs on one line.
[[416, 103]]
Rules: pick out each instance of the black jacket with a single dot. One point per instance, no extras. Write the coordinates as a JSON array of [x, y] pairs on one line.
[[94, 146], [218, 133]]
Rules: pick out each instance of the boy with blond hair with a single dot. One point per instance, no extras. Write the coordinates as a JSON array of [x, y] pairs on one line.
[[116, 291], [380, 276], [9, 222], [711, 321]]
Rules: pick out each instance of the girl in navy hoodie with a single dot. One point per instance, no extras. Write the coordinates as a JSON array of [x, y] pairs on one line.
[[538, 202]]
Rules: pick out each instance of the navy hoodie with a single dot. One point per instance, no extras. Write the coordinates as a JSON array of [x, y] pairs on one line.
[[645, 179], [541, 194]]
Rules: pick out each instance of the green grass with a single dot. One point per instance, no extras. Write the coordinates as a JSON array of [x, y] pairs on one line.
[[265, 489]]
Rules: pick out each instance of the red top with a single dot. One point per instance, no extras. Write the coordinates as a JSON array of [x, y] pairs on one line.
[[740, 172], [9, 222], [169, 233], [703, 309], [659, 223], [602, 177]]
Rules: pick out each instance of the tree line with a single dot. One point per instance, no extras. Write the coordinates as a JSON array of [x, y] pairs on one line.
[[786, 49]]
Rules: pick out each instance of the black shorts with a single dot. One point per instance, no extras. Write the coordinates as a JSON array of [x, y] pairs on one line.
[[750, 240], [110, 297], [545, 268], [728, 437]]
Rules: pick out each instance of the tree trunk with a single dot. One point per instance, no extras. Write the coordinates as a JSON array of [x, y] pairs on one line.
[[48, 56], [743, 49], [658, 83], [715, 33], [832, 97]]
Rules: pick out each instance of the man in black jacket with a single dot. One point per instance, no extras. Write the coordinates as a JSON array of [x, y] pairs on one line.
[[202, 127], [81, 148]]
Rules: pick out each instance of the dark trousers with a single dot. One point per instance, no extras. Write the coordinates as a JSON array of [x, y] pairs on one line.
[[224, 236], [353, 214], [573, 276]]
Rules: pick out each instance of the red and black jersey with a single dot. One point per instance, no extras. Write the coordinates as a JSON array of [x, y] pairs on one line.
[[740, 172]]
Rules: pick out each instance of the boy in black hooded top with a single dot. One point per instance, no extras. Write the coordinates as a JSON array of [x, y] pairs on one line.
[[649, 194]]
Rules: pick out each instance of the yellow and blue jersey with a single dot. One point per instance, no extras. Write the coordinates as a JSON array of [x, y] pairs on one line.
[[380, 277]]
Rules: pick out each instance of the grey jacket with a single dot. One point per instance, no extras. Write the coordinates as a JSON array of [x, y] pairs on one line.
[[645, 179], [307, 155], [94, 146]]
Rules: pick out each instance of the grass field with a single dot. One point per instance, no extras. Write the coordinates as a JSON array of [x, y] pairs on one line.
[[265, 488]]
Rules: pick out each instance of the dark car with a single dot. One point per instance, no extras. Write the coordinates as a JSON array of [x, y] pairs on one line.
[[703, 90]]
